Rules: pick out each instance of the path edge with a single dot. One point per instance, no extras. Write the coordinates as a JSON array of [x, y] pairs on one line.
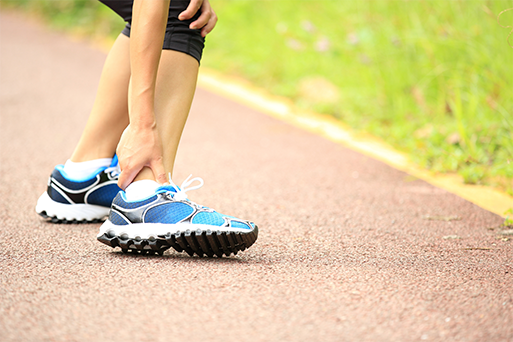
[[241, 91]]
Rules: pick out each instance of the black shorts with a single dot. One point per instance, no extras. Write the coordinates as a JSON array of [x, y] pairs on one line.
[[178, 37]]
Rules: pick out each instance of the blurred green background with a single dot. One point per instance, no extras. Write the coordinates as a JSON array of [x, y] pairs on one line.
[[434, 78]]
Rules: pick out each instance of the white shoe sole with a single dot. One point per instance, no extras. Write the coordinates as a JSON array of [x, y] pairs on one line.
[[200, 239], [154, 230], [60, 212]]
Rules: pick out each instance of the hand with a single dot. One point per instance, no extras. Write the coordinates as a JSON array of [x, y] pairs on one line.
[[206, 21], [137, 148]]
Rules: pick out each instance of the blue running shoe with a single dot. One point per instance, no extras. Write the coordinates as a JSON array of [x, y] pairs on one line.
[[169, 219], [79, 201]]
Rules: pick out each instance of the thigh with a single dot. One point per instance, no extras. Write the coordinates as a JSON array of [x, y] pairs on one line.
[[179, 37]]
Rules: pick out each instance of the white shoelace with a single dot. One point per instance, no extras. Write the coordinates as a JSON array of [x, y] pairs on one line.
[[180, 194], [113, 170]]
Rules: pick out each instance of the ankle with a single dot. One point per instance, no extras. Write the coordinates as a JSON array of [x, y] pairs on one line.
[[145, 174]]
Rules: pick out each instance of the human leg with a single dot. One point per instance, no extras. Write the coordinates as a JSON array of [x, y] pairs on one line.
[[176, 84], [84, 192], [109, 115], [176, 81], [149, 218]]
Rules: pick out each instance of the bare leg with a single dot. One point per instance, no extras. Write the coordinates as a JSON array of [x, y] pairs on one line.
[[109, 116], [176, 83]]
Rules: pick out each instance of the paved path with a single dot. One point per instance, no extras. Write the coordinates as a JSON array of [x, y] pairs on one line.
[[346, 251]]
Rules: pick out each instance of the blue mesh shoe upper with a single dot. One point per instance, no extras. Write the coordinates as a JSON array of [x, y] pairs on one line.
[[205, 217], [56, 196], [172, 212], [99, 190], [119, 201], [103, 196], [239, 224], [117, 219], [170, 205], [70, 184]]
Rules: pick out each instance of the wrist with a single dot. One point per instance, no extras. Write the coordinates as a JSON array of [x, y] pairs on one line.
[[142, 115], [144, 123], [141, 110]]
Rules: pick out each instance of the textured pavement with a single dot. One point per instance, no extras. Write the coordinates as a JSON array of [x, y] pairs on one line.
[[349, 249]]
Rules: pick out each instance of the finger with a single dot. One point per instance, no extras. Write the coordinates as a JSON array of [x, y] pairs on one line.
[[191, 10], [202, 20], [159, 172], [123, 180], [210, 26], [127, 177]]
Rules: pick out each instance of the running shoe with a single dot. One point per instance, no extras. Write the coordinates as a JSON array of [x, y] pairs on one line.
[[169, 219], [79, 200]]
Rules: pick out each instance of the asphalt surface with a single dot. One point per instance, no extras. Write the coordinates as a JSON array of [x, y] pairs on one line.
[[349, 248]]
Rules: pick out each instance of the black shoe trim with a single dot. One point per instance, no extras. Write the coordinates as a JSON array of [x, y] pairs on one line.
[[78, 196], [199, 242]]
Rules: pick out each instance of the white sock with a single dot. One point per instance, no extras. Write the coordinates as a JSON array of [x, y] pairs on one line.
[[82, 170], [141, 189]]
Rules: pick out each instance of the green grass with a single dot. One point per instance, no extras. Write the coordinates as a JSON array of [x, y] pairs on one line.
[[432, 78]]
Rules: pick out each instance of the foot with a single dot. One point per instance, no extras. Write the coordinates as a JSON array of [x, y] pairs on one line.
[[79, 201], [168, 219]]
